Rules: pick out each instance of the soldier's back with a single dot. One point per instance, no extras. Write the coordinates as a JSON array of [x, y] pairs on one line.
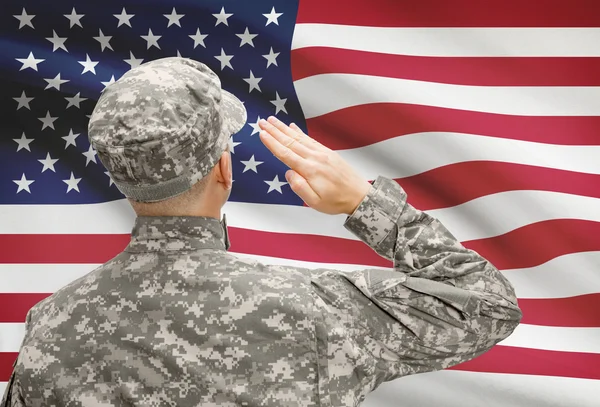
[[173, 328]]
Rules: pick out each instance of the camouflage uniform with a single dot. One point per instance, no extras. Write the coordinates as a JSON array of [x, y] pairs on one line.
[[176, 320]]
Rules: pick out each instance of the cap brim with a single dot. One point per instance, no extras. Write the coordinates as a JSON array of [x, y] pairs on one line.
[[234, 113]]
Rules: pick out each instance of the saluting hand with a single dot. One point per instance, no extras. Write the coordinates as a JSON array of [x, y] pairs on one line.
[[318, 175]]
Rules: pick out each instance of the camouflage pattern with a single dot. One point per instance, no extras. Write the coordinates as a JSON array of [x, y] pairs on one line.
[[176, 320], [163, 126]]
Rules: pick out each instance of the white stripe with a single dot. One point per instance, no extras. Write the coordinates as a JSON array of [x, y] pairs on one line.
[[11, 336], [497, 214], [484, 217], [412, 154], [565, 276], [472, 389], [117, 217], [553, 279], [40, 278], [585, 340], [326, 93], [452, 42], [102, 218]]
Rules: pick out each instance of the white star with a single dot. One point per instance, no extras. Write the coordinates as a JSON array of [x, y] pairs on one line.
[[178, 54], [251, 164], [111, 81], [24, 19], [110, 180], [124, 18], [198, 38], [48, 163], [132, 61], [23, 184], [246, 38], [57, 42], [279, 103], [232, 145], [222, 17], [88, 65], [174, 18], [74, 18], [104, 41], [75, 101], [151, 39], [90, 156], [271, 57], [253, 82], [56, 82], [272, 17], [23, 101], [70, 139], [23, 142], [275, 185], [29, 62], [255, 127], [224, 59], [47, 121], [72, 183]]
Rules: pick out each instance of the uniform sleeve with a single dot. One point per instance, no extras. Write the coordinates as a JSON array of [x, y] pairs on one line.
[[12, 394], [441, 305]]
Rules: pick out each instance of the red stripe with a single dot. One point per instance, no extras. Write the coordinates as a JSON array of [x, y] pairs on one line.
[[347, 128], [437, 188], [15, 306], [516, 249], [457, 13], [508, 359], [460, 70], [6, 365], [537, 243], [101, 248], [500, 359], [32, 249], [580, 311], [575, 312]]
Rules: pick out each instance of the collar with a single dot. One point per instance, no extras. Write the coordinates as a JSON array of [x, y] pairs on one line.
[[178, 233]]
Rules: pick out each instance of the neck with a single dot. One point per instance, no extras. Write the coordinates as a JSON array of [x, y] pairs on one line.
[[200, 212], [199, 209]]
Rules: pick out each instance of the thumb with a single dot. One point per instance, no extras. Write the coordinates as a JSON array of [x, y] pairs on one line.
[[301, 188]]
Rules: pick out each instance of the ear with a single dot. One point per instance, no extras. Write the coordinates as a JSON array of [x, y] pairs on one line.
[[224, 172]]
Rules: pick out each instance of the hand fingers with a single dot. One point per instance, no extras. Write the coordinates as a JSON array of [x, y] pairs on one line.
[[295, 132], [284, 154], [290, 141], [302, 188], [309, 141]]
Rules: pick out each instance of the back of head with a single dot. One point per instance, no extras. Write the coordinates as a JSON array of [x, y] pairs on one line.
[[162, 127]]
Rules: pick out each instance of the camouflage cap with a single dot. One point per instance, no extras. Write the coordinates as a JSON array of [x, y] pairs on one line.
[[163, 126]]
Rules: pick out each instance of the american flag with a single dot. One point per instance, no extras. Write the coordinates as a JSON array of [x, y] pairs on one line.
[[487, 113]]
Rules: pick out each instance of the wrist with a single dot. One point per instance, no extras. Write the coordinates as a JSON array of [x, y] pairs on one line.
[[359, 197]]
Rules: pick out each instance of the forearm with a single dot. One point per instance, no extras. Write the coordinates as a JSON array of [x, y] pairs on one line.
[[434, 262]]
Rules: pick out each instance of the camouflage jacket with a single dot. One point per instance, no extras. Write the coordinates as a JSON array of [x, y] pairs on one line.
[[175, 320]]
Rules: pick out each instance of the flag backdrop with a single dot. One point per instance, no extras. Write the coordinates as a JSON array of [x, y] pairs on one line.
[[487, 113]]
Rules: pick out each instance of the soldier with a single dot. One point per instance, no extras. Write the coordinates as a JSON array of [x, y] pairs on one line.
[[175, 320]]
